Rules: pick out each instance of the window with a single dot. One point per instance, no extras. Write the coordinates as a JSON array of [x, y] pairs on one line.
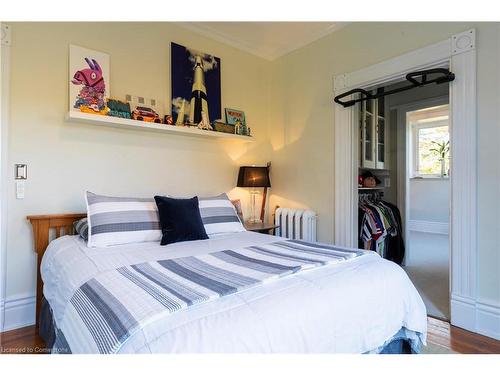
[[430, 141]]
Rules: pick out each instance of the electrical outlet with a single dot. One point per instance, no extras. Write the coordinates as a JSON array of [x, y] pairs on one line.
[[151, 102], [387, 182]]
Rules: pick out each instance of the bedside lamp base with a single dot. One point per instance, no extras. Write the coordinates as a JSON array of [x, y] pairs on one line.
[[253, 218]]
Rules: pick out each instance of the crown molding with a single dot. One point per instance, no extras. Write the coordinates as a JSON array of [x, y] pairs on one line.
[[214, 34]]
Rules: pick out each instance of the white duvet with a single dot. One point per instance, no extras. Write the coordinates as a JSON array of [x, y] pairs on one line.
[[350, 307]]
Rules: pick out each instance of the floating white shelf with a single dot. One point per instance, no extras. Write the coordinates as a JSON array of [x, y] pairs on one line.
[[124, 123]]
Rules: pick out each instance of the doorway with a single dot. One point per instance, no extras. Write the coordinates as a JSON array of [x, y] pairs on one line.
[[404, 186], [461, 58], [424, 170]]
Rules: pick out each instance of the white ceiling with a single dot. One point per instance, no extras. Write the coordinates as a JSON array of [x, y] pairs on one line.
[[269, 40]]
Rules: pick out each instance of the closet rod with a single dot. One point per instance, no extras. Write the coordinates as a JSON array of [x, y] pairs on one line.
[[444, 75]]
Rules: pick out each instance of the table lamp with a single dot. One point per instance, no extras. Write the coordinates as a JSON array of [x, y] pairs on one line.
[[255, 177]]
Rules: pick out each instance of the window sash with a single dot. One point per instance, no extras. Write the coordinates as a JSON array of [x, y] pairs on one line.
[[415, 128]]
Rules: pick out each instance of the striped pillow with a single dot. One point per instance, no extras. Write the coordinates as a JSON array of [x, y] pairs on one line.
[[82, 228], [118, 221], [219, 215]]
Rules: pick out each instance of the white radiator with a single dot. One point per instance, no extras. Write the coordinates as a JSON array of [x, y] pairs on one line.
[[295, 224]]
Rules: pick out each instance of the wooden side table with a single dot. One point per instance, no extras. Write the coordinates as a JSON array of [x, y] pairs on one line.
[[265, 228]]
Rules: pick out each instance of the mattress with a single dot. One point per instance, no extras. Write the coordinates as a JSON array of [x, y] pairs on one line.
[[356, 306]]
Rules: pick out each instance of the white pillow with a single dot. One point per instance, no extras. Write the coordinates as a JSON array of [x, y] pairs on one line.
[[219, 215], [118, 221]]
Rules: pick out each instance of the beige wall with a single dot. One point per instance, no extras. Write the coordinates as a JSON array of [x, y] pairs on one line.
[[302, 122], [64, 158]]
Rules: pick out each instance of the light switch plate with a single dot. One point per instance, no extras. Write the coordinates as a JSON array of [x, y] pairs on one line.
[[387, 182], [20, 189], [21, 172]]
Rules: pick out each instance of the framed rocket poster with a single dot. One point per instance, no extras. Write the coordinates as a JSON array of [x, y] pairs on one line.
[[88, 80], [196, 86]]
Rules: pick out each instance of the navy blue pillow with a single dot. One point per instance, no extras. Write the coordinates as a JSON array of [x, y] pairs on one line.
[[180, 220]]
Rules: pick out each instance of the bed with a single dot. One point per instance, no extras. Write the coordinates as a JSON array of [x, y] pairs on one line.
[[362, 305]]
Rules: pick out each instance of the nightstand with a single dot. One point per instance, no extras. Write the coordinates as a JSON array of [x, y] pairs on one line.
[[264, 228]]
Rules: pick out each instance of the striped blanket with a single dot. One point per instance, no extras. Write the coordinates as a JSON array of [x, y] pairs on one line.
[[106, 310]]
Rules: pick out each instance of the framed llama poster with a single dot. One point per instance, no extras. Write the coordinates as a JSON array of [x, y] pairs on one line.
[[88, 80], [196, 86]]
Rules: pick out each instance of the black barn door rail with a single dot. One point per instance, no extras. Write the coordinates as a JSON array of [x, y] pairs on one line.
[[416, 79]]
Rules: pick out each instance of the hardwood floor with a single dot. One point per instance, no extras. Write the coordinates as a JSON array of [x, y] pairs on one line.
[[25, 340], [21, 341], [459, 340]]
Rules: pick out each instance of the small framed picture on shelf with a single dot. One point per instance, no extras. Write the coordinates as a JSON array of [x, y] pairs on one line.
[[234, 115]]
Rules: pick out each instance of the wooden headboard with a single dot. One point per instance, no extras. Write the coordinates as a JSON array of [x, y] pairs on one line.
[[43, 227]]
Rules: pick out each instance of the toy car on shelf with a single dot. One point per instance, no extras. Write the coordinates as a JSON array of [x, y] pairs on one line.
[[145, 114]]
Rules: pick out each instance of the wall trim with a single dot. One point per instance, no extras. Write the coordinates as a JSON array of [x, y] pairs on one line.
[[482, 316], [429, 226], [463, 312], [463, 42], [463, 221], [2, 312], [345, 230], [5, 35], [488, 318], [19, 312], [4, 116]]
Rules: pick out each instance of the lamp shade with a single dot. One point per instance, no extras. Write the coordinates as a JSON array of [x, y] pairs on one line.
[[253, 177]]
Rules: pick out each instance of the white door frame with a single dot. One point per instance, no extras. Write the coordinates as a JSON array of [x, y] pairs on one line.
[[4, 106], [403, 163], [459, 51], [5, 42]]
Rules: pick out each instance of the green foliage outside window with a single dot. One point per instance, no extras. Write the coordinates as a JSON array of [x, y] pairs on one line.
[[433, 146]]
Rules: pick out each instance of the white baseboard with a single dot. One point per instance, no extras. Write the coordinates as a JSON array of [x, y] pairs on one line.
[[488, 319], [482, 317], [463, 312], [2, 309], [19, 312], [429, 226]]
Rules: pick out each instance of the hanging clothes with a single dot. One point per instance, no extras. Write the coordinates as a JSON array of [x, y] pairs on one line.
[[380, 228], [395, 243]]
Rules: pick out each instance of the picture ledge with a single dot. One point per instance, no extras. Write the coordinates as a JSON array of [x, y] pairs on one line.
[[123, 123]]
